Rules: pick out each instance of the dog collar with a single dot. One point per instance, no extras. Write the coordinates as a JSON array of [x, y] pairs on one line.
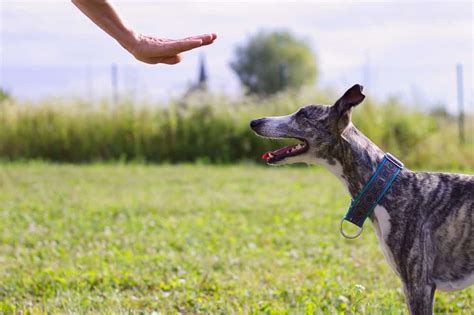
[[363, 205]]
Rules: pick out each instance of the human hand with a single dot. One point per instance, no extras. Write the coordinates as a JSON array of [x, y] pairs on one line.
[[155, 50]]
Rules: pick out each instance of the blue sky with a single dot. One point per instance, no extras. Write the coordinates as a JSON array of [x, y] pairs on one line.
[[404, 48]]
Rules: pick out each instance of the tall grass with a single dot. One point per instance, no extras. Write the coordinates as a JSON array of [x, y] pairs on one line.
[[209, 129]]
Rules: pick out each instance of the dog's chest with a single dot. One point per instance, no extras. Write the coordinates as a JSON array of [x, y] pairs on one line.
[[382, 227], [448, 286]]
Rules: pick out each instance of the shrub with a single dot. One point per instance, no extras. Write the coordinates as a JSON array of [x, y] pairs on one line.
[[212, 129]]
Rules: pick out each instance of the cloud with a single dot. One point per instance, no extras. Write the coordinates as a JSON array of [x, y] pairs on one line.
[[393, 37]]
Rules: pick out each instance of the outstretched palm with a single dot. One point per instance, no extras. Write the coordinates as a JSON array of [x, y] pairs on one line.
[[158, 50]]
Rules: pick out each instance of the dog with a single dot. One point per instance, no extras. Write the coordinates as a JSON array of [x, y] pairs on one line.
[[424, 221]]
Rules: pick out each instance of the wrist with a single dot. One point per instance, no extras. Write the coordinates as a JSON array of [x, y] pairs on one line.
[[128, 39]]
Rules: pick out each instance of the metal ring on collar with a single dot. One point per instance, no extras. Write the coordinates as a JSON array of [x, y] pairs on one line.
[[341, 229]]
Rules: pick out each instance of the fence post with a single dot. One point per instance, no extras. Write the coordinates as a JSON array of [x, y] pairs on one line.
[[114, 78], [460, 92], [366, 71]]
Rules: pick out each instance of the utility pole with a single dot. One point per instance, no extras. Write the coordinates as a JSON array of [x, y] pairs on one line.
[[366, 71], [282, 76], [89, 84], [114, 78], [459, 82]]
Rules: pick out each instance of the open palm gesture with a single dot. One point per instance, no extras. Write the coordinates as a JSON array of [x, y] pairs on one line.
[[155, 50]]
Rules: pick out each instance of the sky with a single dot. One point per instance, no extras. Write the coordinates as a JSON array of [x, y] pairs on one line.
[[407, 49]]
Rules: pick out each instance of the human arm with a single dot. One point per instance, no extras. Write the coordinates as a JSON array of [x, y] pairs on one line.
[[148, 49]]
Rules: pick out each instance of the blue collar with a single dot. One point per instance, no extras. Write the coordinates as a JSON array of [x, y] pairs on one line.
[[372, 193]]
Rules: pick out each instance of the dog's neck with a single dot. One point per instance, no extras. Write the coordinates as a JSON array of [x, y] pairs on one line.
[[358, 157]]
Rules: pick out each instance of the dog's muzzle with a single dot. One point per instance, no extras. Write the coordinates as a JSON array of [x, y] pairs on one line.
[[256, 122]]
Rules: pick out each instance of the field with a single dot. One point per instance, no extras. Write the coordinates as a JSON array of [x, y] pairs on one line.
[[188, 239]]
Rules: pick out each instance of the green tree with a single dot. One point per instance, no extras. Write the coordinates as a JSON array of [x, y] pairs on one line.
[[274, 61]]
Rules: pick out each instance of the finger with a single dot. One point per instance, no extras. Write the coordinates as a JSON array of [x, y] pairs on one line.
[[206, 38], [178, 46], [213, 38], [206, 44]]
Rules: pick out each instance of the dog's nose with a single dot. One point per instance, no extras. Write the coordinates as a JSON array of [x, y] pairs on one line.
[[254, 123]]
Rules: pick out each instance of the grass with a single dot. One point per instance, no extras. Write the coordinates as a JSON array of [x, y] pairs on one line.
[[188, 239]]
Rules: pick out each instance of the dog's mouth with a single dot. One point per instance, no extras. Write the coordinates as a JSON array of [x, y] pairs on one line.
[[291, 150]]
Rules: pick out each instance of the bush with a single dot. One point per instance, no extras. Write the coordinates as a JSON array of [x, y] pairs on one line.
[[213, 130]]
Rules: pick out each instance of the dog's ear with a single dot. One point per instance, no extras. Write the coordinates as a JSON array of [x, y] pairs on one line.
[[343, 106]]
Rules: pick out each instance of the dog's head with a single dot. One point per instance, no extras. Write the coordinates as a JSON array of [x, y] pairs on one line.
[[318, 127]]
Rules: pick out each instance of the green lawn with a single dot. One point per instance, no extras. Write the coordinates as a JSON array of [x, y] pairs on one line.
[[189, 239]]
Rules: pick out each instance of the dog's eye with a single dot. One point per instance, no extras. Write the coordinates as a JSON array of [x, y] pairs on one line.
[[301, 113]]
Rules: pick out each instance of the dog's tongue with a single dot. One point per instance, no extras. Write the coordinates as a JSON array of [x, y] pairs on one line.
[[266, 156], [274, 153]]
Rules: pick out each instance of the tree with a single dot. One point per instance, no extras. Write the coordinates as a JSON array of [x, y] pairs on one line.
[[272, 62]]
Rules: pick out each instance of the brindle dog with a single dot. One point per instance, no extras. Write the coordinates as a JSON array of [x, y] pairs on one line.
[[424, 223]]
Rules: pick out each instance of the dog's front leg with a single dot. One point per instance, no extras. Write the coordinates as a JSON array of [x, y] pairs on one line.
[[420, 298], [417, 275]]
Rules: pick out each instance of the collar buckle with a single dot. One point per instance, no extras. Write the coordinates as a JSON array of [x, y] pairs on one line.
[[394, 160]]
